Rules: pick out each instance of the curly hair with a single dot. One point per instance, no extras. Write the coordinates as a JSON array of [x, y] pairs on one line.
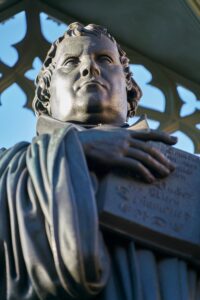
[[42, 95]]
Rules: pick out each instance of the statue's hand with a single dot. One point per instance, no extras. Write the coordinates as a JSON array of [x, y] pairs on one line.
[[128, 150]]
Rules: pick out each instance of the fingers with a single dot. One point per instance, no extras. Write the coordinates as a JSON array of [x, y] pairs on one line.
[[154, 135], [155, 153], [136, 167], [149, 161]]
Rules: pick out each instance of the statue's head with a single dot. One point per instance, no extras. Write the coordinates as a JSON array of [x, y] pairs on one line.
[[86, 78]]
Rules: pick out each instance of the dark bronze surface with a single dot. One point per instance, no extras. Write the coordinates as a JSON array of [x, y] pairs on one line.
[[51, 244]]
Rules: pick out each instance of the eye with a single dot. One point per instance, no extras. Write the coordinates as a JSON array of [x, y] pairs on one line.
[[105, 58], [71, 61]]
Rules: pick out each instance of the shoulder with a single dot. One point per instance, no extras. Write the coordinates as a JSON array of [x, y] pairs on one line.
[[2, 150], [6, 155]]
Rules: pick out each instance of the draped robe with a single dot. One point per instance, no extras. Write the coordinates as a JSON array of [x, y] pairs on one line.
[[50, 242]]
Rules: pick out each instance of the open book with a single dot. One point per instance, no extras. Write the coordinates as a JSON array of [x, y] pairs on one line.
[[164, 215]]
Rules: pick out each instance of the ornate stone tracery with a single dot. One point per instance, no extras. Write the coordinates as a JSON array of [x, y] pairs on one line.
[[33, 46]]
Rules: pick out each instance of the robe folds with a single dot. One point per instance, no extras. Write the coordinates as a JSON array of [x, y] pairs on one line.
[[51, 245]]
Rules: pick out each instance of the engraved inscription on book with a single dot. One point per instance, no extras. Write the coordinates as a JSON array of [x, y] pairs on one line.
[[170, 206]]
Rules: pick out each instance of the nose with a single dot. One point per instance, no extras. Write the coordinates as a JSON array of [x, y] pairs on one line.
[[90, 68]]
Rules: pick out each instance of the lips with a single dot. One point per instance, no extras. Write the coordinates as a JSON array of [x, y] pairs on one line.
[[90, 82]]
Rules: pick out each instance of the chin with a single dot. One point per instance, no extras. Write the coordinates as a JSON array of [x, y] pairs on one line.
[[102, 118]]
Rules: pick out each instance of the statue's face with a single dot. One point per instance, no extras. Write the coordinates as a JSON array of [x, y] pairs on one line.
[[88, 84]]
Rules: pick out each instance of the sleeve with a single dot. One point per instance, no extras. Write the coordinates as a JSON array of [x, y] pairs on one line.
[[49, 234]]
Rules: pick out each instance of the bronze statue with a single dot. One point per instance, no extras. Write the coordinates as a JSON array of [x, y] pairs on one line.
[[51, 243]]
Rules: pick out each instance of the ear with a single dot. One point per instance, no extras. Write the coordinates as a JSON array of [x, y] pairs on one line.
[[48, 107]]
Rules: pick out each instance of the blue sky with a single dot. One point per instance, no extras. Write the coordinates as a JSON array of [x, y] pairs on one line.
[[18, 123]]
